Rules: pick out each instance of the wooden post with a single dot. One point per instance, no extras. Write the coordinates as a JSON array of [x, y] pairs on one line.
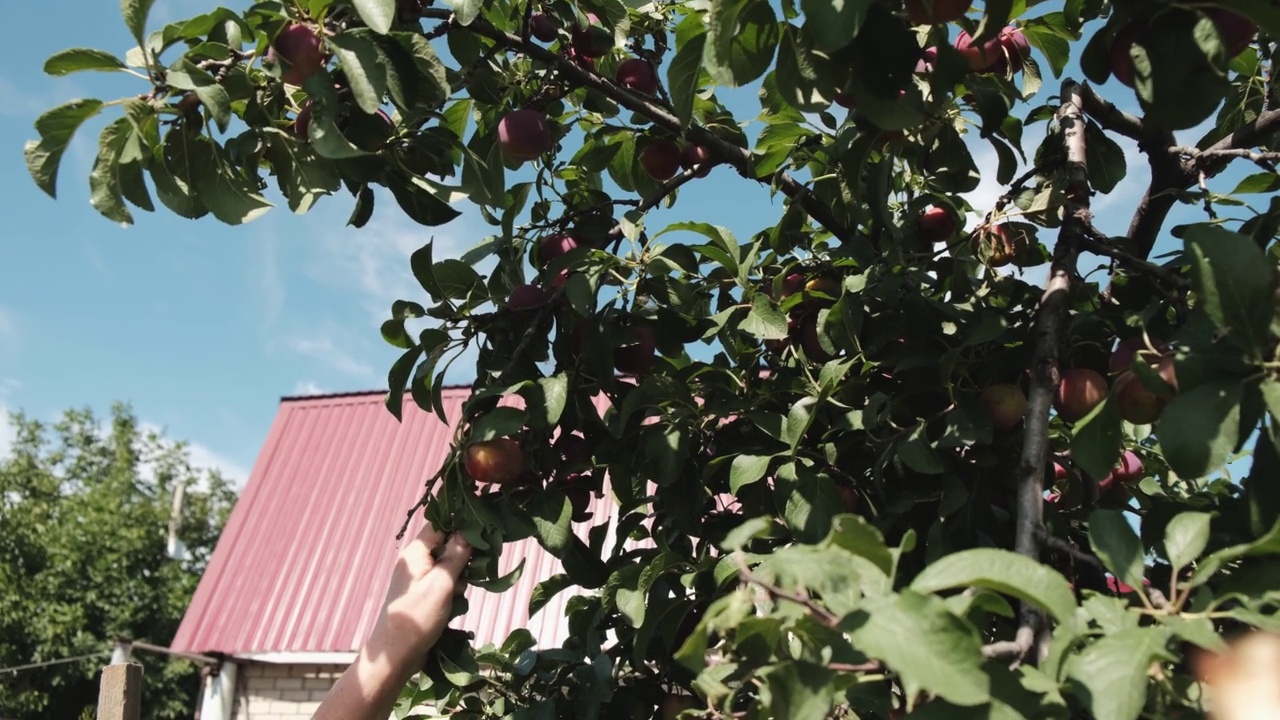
[[120, 693]]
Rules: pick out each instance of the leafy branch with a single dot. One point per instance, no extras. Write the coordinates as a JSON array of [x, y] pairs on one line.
[[737, 157]]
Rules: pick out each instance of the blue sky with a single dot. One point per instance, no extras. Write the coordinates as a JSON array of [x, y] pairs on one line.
[[203, 327]]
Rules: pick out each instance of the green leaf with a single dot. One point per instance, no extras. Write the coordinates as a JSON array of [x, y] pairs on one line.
[[360, 59], [1198, 631], [106, 192], [765, 320], [684, 73], [398, 378], [1234, 282], [1117, 545], [1098, 440], [746, 532], [186, 76], [833, 24], [547, 589], [800, 691], [135, 14], [499, 422], [230, 198], [747, 469], [857, 535], [465, 11], [419, 203], [1263, 182], [1268, 544], [942, 656], [1199, 428], [303, 176], [501, 583], [56, 128], [552, 513], [433, 86], [1111, 675], [547, 399], [742, 36], [455, 279], [174, 169], [73, 60], [804, 79], [1185, 537], [1105, 159], [1003, 571], [377, 14], [1047, 40]]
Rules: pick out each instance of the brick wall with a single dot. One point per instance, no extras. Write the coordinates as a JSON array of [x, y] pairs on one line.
[[282, 692]]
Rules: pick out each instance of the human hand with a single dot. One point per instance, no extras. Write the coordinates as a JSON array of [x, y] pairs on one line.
[[413, 617], [416, 610]]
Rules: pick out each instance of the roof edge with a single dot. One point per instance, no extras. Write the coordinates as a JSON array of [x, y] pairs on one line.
[[360, 393]]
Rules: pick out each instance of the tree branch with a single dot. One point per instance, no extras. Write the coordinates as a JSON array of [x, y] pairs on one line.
[[1109, 116], [1174, 170], [1096, 243], [821, 614], [669, 186], [739, 158], [1050, 322], [1056, 544]]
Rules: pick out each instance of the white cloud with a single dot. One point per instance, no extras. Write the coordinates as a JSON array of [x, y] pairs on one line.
[[373, 261], [306, 387], [7, 432], [203, 457], [324, 348]]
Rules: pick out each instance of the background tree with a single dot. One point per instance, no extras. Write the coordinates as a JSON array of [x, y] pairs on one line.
[[865, 471], [85, 507]]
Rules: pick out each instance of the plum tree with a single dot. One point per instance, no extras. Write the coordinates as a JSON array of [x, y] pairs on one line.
[[788, 431]]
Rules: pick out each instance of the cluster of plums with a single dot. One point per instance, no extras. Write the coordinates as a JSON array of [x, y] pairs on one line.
[[501, 461], [817, 291], [1083, 389]]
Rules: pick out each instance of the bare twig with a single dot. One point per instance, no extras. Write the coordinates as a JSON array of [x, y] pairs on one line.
[[669, 186], [1263, 158], [1056, 544], [739, 158], [873, 666], [1096, 243], [821, 614], [1016, 649]]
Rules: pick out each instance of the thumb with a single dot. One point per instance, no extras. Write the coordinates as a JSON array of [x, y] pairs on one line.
[[457, 552]]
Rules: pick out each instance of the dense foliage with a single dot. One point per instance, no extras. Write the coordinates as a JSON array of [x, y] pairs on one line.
[[85, 508], [866, 472]]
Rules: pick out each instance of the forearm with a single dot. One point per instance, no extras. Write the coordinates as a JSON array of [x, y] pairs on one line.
[[370, 686]]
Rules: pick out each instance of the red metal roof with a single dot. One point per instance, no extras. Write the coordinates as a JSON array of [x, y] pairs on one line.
[[305, 558]]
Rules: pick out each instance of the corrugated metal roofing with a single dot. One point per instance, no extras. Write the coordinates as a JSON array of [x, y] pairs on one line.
[[305, 558]]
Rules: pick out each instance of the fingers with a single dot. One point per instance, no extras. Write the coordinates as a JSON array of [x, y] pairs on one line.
[[430, 536], [457, 552]]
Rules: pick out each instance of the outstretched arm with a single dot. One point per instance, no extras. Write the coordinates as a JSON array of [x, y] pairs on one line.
[[414, 615]]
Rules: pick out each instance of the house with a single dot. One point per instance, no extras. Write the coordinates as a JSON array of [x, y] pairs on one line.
[[298, 576]]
